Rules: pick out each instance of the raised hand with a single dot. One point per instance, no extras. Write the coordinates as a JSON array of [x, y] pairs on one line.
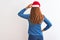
[[29, 6]]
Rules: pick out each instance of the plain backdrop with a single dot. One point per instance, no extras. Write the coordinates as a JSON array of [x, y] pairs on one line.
[[13, 27]]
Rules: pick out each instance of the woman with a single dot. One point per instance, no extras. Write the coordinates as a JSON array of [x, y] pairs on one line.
[[35, 19]]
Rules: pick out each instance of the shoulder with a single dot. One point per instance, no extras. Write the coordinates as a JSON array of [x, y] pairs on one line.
[[45, 17]]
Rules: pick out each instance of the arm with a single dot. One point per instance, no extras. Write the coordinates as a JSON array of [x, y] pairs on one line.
[[26, 16], [48, 24]]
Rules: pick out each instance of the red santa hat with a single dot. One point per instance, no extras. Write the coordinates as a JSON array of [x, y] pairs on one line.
[[36, 4]]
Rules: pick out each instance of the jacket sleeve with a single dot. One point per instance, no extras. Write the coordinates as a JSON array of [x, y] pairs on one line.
[[26, 16], [48, 23]]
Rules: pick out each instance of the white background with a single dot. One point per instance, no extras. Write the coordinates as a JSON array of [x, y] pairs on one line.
[[13, 27]]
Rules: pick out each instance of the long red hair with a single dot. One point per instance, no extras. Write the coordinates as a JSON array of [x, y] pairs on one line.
[[36, 16]]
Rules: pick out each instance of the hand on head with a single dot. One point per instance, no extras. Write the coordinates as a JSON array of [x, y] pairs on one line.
[[29, 6], [34, 4]]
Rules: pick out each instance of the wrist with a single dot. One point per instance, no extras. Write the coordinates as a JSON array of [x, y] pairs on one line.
[[26, 7], [43, 30]]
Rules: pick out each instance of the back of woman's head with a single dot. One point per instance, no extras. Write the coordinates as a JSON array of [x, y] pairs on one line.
[[36, 16]]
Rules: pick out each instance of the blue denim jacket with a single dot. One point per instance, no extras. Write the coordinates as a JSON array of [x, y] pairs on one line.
[[34, 29]]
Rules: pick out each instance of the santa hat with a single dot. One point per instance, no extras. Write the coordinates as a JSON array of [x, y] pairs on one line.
[[36, 4]]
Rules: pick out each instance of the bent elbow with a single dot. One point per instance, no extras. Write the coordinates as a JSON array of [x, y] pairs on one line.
[[50, 25], [18, 14]]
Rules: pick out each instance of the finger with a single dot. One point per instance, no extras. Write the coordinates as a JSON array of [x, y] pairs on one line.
[[30, 4]]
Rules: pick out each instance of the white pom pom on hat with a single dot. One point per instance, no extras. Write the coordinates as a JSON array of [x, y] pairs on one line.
[[36, 4]]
